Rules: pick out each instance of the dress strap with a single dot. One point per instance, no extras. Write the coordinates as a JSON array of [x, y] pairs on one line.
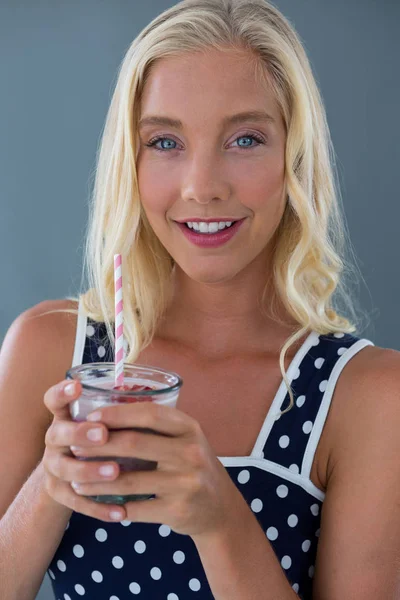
[[295, 435], [325, 404], [80, 336]]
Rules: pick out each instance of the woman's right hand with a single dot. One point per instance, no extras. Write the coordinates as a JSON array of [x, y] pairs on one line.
[[60, 466]]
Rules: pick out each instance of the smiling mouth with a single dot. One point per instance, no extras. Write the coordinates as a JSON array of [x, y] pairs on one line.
[[208, 232]]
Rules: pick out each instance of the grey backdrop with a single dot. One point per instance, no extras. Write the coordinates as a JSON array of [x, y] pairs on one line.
[[58, 63]]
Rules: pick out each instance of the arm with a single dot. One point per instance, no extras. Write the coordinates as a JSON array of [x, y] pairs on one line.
[[240, 563], [34, 356], [30, 533], [358, 554]]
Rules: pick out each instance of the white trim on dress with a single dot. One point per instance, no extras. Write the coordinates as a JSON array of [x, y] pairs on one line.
[[80, 336]]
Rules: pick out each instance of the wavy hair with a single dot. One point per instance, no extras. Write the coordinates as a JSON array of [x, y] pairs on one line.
[[309, 262]]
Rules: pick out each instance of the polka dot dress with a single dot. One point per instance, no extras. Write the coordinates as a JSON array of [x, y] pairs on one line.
[[96, 560]]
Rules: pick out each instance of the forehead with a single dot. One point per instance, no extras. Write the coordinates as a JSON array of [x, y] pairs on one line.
[[201, 83]]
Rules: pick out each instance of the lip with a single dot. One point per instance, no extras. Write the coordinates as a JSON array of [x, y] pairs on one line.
[[210, 240], [215, 220]]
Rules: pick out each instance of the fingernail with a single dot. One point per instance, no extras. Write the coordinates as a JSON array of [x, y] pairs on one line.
[[115, 515], [95, 416], [94, 435], [75, 485], [106, 470], [76, 448], [70, 389]]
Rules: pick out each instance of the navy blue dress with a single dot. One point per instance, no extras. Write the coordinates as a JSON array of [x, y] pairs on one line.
[[97, 560]]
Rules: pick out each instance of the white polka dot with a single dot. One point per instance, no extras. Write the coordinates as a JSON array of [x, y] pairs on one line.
[[286, 562], [90, 330], [140, 546], [78, 551], [317, 533], [117, 562], [164, 530], [322, 385], [338, 335], [307, 426], [80, 589], [295, 587], [114, 598], [300, 401], [319, 362], [97, 576], [314, 509], [155, 573], [272, 533], [306, 545], [284, 441], [292, 520], [51, 574], [66, 526], [101, 535], [172, 597], [256, 505], [296, 373], [66, 597], [194, 585], [101, 351], [243, 476], [311, 571], [179, 557], [342, 350], [294, 468], [282, 491], [125, 523], [61, 565], [134, 588]]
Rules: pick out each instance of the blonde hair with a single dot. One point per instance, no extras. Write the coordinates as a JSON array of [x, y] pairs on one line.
[[308, 264]]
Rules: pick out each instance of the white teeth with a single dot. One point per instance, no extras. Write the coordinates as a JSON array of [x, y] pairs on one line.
[[213, 227]]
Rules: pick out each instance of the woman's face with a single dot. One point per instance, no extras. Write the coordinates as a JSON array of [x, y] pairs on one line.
[[211, 165]]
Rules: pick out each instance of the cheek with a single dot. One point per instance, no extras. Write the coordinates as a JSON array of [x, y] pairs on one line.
[[157, 187], [259, 184]]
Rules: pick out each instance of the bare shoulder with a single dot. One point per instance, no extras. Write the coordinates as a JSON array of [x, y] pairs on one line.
[[40, 343], [366, 400]]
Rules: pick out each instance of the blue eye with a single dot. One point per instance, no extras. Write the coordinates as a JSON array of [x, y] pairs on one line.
[[249, 138]]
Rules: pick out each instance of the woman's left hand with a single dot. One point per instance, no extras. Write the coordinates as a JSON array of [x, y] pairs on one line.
[[194, 492]]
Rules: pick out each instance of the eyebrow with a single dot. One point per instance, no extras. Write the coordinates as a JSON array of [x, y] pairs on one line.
[[251, 115]]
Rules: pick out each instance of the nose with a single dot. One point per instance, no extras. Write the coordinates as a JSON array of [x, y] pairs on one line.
[[204, 180]]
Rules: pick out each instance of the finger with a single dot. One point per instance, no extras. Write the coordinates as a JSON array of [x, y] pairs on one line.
[[58, 397], [72, 469], [148, 446], [63, 493], [163, 419], [153, 510], [134, 482], [71, 433]]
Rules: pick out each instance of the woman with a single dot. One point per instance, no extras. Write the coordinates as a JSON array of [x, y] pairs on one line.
[[279, 474]]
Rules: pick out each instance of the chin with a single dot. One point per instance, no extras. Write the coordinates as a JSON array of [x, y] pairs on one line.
[[211, 273]]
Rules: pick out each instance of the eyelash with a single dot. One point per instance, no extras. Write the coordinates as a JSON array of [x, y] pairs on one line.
[[154, 141]]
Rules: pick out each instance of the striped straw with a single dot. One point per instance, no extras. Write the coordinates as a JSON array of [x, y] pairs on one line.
[[119, 322]]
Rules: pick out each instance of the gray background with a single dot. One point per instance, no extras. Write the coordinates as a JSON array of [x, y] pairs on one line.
[[58, 64]]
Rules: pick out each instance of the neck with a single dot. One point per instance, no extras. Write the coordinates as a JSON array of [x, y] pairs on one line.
[[224, 318]]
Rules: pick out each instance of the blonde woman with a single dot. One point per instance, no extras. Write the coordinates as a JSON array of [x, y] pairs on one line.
[[279, 474]]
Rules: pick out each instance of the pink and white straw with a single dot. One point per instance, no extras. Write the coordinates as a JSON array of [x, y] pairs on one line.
[[119, 322]]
